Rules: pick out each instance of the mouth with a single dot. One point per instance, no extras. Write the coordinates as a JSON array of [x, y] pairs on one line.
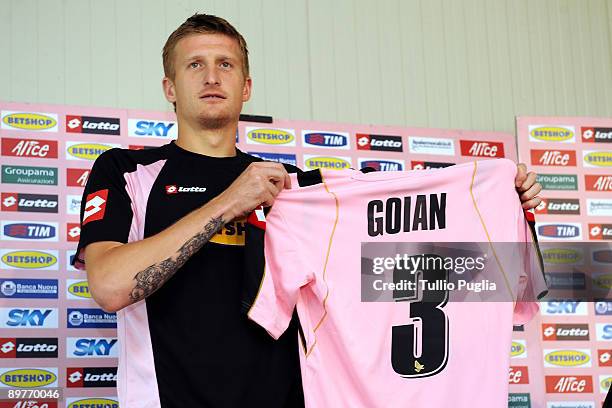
[[212, 96]]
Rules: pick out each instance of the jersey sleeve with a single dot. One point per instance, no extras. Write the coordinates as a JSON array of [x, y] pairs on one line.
[[285, 272], [533, 284], [106, 211]]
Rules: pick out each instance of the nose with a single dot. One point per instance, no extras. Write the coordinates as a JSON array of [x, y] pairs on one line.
[[212, 77]]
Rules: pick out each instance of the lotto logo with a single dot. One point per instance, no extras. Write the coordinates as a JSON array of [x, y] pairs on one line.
[[563, 332], [73, 232], [92, 124], [596, 135], [600, 231], [174, 189], [95, 206]]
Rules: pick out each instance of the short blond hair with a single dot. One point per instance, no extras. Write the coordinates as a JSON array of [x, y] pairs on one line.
[[202, 24]]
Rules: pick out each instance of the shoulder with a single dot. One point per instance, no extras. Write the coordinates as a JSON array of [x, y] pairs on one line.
[[120, 159]]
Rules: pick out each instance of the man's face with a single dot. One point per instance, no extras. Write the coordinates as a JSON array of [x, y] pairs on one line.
[[209, 86]]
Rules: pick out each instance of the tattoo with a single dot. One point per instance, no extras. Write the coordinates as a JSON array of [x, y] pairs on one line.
[[153, 277]]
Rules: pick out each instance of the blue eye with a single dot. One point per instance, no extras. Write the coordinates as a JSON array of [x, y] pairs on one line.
[[194, 65]]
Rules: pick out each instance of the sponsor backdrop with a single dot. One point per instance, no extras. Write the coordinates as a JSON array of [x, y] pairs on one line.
[[54, 335], [573, 157]]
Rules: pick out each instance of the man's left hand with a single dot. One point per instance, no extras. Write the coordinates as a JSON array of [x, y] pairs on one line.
[[527, 187]]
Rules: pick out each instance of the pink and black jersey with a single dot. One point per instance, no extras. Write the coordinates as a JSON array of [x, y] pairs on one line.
[[427, 352], [188, 344]]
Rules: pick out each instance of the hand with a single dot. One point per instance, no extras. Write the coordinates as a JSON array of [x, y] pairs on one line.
[[527, 187], [259, 184]]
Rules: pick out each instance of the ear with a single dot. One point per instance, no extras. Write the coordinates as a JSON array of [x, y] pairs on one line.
[[246, 89], [169, 91]]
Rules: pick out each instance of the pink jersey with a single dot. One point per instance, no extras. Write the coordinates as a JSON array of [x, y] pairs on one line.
[[394, 354]]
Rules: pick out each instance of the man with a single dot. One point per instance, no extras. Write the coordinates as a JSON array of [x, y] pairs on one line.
[[161, 239]]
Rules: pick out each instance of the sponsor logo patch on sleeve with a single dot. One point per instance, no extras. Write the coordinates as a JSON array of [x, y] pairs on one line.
[[95, 207]]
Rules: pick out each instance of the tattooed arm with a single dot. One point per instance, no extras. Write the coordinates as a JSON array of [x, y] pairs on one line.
[[149, 280], [121, 274]]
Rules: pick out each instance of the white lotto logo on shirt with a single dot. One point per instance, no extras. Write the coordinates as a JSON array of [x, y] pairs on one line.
[[544, 133], [174, 189], [430, 145], [563, 307], [152, 128]]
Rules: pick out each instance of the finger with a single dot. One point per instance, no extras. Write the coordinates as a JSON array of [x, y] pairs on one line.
[[529, 181], [268, 201], [287, 181], [274, 188], [532, 192], [521, 174], [267, 164], [533, 203], [275, 175]]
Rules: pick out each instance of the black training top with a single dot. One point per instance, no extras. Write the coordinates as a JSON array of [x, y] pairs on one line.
[[188, 344]]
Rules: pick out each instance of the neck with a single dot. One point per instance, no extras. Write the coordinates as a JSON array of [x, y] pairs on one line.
[[210, 142]]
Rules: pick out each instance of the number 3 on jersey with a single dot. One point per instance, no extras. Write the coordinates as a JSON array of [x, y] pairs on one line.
[[420, 348]]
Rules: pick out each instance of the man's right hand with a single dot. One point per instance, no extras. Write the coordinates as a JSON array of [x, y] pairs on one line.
[[259, 184]]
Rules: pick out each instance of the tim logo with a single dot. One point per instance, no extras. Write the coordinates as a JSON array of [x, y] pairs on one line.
[[325, 139], [382, 165], [562, 231]]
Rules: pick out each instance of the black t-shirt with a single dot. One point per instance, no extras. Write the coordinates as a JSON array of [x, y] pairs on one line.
[[188, 344]]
